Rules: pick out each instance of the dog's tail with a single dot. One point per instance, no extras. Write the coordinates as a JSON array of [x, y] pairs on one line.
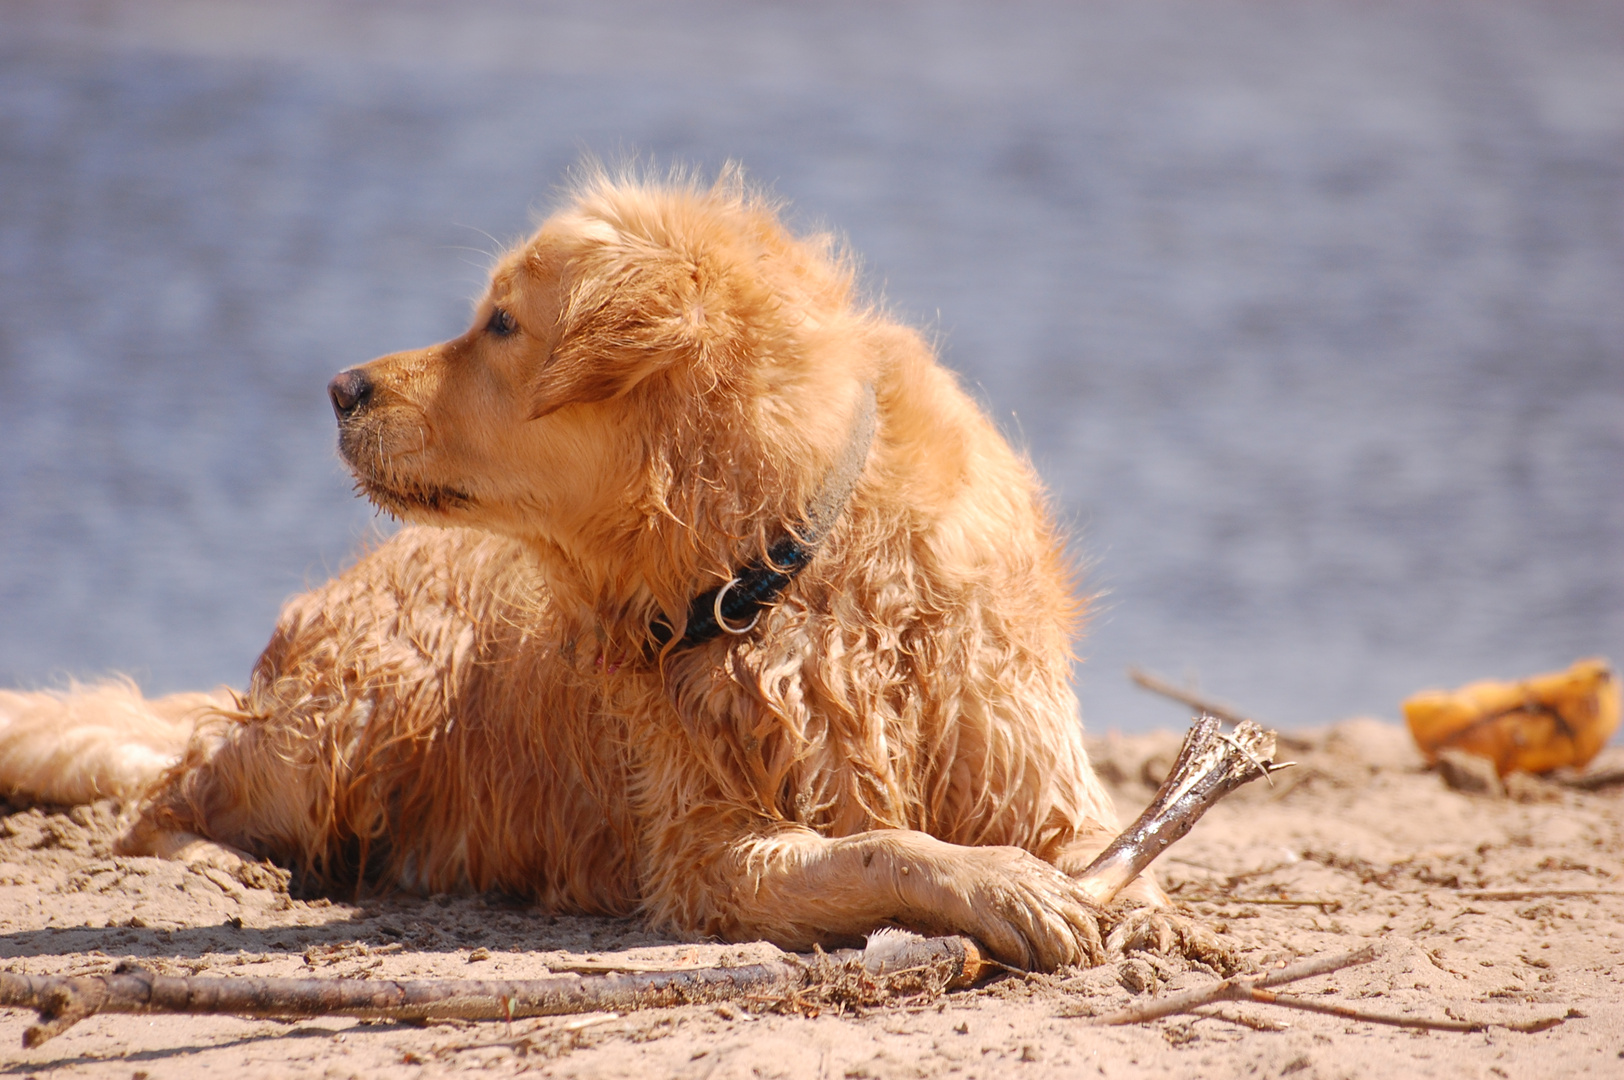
[[91, 742]]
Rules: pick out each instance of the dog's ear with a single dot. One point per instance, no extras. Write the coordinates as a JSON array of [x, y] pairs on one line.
[[631, 309]]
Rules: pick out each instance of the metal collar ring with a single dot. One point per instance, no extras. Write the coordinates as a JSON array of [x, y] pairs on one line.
[[721, 620]]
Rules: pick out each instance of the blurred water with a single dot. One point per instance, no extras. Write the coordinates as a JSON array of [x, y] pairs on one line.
[[1311, 314]]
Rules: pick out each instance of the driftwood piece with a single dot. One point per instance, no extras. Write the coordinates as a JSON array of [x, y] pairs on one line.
[[1210, 765], [948, 962]]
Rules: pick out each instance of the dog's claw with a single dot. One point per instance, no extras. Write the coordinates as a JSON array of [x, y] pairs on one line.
[[1028, 914]]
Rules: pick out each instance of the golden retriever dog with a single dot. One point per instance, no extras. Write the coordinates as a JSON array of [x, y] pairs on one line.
[[720, 603]]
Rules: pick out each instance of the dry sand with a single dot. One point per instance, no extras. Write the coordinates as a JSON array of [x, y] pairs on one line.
[[1384, 849]]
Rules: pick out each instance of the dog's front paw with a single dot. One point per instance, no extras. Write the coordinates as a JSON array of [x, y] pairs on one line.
[[1027, 913], [1137, 928]]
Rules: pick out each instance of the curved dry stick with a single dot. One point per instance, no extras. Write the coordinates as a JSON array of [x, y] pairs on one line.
[[1255, 988]]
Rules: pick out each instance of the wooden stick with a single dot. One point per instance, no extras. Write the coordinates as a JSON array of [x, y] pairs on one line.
[[1157, 685], [1255, 989], [63, 1001], [1210, 765]]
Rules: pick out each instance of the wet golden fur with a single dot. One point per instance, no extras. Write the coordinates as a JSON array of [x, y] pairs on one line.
[[473, 706]]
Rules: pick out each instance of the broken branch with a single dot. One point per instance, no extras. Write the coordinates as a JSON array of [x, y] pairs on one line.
[[1239, 988], [1210, 765]]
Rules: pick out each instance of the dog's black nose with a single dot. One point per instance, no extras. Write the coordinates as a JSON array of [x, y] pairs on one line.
[[348, 391]]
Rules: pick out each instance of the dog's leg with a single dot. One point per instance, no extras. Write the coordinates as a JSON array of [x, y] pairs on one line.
[[261, 781], [798, 888], [383, 719]]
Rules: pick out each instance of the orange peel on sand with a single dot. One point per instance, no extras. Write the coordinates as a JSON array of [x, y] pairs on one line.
[[1536, 725]]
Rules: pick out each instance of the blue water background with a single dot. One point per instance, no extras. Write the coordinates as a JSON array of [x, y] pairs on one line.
[[1311, 314]]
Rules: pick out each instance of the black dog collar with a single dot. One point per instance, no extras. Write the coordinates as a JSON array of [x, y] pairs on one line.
[[735, 607]]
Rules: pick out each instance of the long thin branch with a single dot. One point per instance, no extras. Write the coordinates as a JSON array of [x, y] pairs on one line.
[[1533, 894], [1292, 1001], [1256, 989]]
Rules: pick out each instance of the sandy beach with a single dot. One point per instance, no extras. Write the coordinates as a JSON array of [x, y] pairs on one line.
[[1487, 907]]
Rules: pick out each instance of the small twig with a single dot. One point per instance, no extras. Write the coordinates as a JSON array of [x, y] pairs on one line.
[[611, 967], [1292, 1001], [1233, 901], [1157, 685], [1239, 988], [1532, 894], [1232, 880], [1255, 989], [1256, 1023]]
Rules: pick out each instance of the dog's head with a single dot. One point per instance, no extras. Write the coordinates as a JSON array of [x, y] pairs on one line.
[[661, 373]]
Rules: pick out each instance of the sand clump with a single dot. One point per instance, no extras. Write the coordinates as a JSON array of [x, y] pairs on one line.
[[1491, 904]]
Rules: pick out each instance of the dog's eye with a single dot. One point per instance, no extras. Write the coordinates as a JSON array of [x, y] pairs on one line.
[[502, 324]]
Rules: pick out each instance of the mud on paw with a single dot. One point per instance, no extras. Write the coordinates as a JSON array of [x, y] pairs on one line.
[[1132, 927]]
